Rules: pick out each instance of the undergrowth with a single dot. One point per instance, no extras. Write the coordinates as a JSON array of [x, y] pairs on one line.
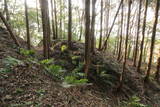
[[75, 77], [134, 102], [27, 52], [9, 62]]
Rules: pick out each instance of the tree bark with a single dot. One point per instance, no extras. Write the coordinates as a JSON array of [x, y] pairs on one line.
[[157, 76], [53, 24], [152, 41], [143, 37], [121, 35], [126, 45], [93, 26], [138, 30], [27, 27], [105, 43], [108, 17], [37, 15], [70, 24], [87, 36], [101, 26], [60, 35], [55, 14], [81, 29], [6, 10], [46, 28]]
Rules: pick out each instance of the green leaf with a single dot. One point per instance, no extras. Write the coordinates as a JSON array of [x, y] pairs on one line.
[[64, 48], [46, 61]]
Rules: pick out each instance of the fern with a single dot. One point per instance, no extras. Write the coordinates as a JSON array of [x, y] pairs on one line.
[[27, 52], [46, 61], [10, 62], [55, 70], [32, 60], [134, 102], [74, 80], [75, 57], [5, 70]]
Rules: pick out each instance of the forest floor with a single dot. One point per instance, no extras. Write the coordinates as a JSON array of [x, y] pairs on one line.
[[30, 85]]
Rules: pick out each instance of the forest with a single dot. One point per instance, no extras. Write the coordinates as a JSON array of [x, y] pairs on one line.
[[79, 53]]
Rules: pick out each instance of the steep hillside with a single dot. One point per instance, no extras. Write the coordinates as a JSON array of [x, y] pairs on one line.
[[29, 84]]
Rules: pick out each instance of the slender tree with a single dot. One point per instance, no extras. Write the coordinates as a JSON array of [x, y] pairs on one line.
[[146, 46], [107, 16], [153, 40], [108, 3], [138, 29], [101, 26], [70, 24], [27, 26], [37, 15], [93, 26], [105, 43], [46, 27], [143, 36], [116, 42], [81, 28], [87, 35], [6, 10], [53, 24], [126, 45], [157, 76], [55, 14], [60, 34], [121, 35]]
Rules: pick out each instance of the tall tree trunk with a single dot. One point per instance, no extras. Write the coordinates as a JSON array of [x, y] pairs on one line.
[[152, 41], [143, 37], [46, 27], [107, 17], [60, 35], [117, 39], [63, 20], [6, 10], [70, 24], [138, 29], [157, 76], [126, 45], [27, 26], [55, 14], [37, 15], [81, 28], [87, 35], [121, 35], [129, 50], [93, 26], [105, 43], [146, 47], [116, 42], [53, 24], [9, 29], [101, 26]]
